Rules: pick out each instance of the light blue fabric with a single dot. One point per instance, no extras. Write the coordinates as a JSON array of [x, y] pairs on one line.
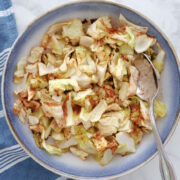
[[27, 169]]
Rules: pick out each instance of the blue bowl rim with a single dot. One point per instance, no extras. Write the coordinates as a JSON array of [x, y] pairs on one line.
[[36, 159]]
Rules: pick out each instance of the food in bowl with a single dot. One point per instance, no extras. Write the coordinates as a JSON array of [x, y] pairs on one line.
[[77, 90]]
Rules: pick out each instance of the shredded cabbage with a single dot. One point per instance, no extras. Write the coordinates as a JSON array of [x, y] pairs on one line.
[[124, 139], [63, 85], [77, 90], [51, 149]]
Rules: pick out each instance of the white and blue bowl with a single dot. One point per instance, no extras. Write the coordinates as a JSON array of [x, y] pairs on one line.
[[67, 164]]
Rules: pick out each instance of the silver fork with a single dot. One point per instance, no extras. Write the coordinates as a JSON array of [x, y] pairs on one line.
[[166, 168]]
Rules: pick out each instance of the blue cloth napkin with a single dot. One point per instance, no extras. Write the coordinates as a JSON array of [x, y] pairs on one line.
[[27, 169]]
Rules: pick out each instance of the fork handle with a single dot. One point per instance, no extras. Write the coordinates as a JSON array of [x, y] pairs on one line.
[[166, 169]]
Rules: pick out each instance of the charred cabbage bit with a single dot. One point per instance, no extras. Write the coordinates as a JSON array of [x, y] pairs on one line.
[[77, 90]]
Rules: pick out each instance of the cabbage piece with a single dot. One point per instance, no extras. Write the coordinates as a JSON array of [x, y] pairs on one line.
[[55, 127], [125, 124], [117, 38], [126, 127], [87, 105], [33, 120], [56, 44], [58, 99], [103, 53], [80, 135], [143, 42], [41, 128], [136, 134], [158, 62], [54, 110], [38, 129], [101, 71], [51, 58], [145, 122], [97, 112], [68, 50], [47, 132], [91, 64], [84, 115], [85, 62], [120, 38], [73, 31], [86, 69], [122, 115], [84, 142], [57, 136], [100, 28], [100, 143], [126, 49], [113, 107], [118, 70], [133, 81], [68, 132], [81, 54], [159, 108], [71, 117], [17, 106], [109, 121], [63, 67], [20, 71], [86, 124], [54, 28], [83, 155], [22, 115], [89, 148], [51, 149], [86, 41], [69, 72], [43, 69], [107, 157], [68, 143], [144, 110], [32, 105], [124, 22], [84, 118], [123, 91], [44, 121], [83, 79], [80, 97], [122, 149], [108, 125], [95, 47], [31, 68], [69, 112], [131, 38], [31, 93], [124, 139], [39, 82], [63, 85], [35, 54], [37, 139]]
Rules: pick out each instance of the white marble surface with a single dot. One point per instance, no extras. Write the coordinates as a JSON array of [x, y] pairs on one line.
[[166, 14]]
